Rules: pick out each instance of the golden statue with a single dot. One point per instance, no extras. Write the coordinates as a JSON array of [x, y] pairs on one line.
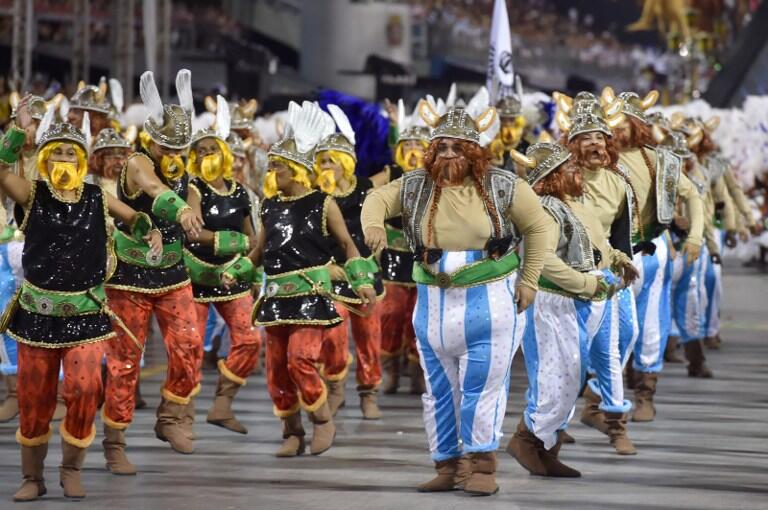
[[669, 14]]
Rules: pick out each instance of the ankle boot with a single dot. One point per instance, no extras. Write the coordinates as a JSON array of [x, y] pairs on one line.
[[369, 405], [565, 437], [694, 353], [452, 474], [221, 413], [525, 447], [591, 415], [712, 342], [32, 467], [390, 366], [293, 437], [417, 378], [188, 419], [552, 465], [630, 375], [645, 388], [10, 408], [617, 430], [72, 458], [482, 481], [61, 407], [114, 452], [169, 427], [324, 430], [670, 352], [336, 399]]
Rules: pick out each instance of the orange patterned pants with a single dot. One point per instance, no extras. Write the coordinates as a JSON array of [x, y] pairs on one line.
[[246, 342], [38, 382], [366, 332], [292, 378], [397, 333], [176, 315]]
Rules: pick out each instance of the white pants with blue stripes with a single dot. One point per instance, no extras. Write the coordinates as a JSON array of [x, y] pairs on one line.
[[466, 339], [556, 345], [689, 297], [653, 297], [629, 328], [10, 257], [713, 282]]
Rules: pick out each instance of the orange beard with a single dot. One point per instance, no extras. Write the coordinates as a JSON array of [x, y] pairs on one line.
[[449, 171]]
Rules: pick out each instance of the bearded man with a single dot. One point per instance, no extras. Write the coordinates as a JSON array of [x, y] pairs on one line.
[[657, 181], [462, 219]]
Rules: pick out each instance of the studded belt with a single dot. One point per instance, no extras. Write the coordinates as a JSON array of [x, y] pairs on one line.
[[59, 303], [139, 254], [477, 273], [303, 282]]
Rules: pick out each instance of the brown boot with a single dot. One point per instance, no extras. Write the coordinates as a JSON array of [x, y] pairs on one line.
[[630, 376], [114, 452], [525, 447], [336, 399], [188, 419], [61, 407], [169, 426], [565, 437], [324, 429], [644, 391], [591, 415], [482, 481], [10, 408], [293, 437], [617, 430], [221, 413], [390, 366], [712, 342], [211, 358], [670, 352], [553, 466], [32, 467], [452, 474], [694, 353], [369, 405], [417, 378], [72, 459]]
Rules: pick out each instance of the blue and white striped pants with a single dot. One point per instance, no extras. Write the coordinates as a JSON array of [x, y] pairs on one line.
[[654, 314], [466, 339], [9, 252], [713, 282], [689, 297]]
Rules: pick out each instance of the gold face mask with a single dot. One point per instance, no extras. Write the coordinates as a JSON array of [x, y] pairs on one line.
[[172, 167], [270, 184], [407, 157], [64, 176], [211, 167], [326, 181], [511, 134]]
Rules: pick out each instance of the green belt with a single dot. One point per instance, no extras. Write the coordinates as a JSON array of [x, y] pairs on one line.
[[395, 239], [58, 303], [484, 271], [138, 253], [299, 283], [205, 273], [7, 234]]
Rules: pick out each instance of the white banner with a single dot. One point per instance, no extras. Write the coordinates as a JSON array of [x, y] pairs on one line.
[[501, 73]]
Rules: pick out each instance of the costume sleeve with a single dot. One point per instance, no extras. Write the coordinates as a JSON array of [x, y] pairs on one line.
[[381, 204], [739, 199], [695, 206], [537, 229], [729, 209], [567, 278]]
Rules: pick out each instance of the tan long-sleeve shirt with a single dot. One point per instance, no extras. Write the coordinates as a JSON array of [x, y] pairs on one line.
[[462, 222], [739, 199], [607, 192]]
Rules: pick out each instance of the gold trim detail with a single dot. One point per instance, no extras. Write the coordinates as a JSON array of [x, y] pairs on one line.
[[160, 290], [221, 299], [322, 399], [78, 443], [227, 373], [167, 395], [125, 172], [33, 441], [28, 207], [111, 423], [297, 322], [286, 413], [44, 345]]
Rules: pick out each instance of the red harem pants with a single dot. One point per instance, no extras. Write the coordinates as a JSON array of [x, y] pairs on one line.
[[397, 335], [37, 386], [292, 378], [176, 315], [366, 332], [246, 342]]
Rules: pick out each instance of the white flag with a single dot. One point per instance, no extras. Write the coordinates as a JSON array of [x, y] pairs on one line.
[[501, 72]]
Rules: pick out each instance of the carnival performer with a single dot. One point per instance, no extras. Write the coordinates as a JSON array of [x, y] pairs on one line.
[[398, 339], [296, 306], [590, 140], [335, 161], [228, 234], [510, 137], [60, 315], [463, 218], [154, 181], [94, 100], [573, 308], [656, 180]]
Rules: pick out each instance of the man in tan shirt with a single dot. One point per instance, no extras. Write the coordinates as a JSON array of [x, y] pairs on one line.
[[463, 219]]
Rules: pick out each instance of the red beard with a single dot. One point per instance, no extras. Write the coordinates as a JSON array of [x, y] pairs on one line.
[[596, 158], [623, 140], [449, 171]]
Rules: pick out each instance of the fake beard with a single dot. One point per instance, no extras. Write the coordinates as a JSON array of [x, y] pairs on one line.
[[449, 171], [511, 135], [326, 181], [417, 156], [596, 158], [64, 176], [172, 167], [623, 139], [270, 184], [210, 167]]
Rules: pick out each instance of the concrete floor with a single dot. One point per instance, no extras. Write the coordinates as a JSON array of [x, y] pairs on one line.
[[706, 450]]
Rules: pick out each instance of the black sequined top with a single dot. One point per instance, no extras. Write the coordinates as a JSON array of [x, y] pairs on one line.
[[296, 237], [221, 211], [351, 205], [146, 279], [396, 264], [65, 249]]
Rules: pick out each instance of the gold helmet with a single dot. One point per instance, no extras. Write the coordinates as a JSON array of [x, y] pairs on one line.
[[168, 125], [541, 159], [92, 98]]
